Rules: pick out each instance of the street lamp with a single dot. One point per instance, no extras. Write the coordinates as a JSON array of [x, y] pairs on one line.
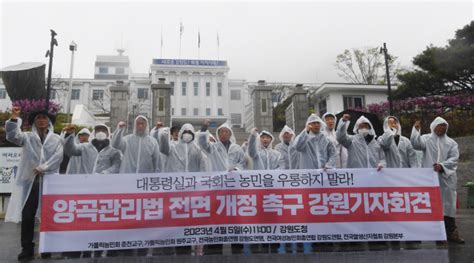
[[387, 72], [72, 48]]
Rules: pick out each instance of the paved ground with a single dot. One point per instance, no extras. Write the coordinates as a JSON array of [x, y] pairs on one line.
[[419, 253]]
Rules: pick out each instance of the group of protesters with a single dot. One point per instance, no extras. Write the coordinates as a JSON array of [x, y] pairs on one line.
[[321, 145]]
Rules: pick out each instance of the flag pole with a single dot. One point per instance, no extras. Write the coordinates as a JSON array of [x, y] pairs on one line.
[[181, 28], [161, 49], [218, 44], [199, 44]]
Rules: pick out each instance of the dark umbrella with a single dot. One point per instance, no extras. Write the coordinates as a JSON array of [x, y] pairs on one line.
[[376, 123]]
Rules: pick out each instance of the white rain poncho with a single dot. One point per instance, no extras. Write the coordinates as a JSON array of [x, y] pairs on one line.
[[105, 161], [182, 156], [74, 164], [360, 154], [288, 151], [442, 150], [220, 158], [316, 151], [263, 158], [140, 153], [397, 156], [46, 156], [341, 151]]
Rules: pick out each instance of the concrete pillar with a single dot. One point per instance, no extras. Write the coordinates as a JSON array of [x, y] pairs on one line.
[[262, 106], [161, 102], [298, 110], [119, 96]]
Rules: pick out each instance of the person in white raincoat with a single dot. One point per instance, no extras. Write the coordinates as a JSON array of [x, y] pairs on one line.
[[42, 155], [74, 164], [185, 155], [140, 151], [97, 156], [363, 149], [261, 152], [315, 150], [287, 149], [399, 152], [330, 131], [441, 153], [224, 154]]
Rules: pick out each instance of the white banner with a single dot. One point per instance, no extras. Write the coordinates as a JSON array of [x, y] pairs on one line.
[[9, 163], [97, 212]]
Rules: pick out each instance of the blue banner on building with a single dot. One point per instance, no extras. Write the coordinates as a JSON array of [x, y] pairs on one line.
[[190, 62]]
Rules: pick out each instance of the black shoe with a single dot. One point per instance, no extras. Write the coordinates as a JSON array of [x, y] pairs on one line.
[[26, 255], [45, 255]]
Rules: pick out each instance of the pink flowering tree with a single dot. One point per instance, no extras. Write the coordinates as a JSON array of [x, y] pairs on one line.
[[33, 105]]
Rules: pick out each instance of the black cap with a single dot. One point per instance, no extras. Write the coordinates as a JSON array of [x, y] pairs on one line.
[[32, 116]]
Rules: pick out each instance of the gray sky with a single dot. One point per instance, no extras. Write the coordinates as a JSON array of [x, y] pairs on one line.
[[275, 41]]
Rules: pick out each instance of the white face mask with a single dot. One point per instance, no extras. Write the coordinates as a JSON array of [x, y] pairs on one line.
[[364, 132], [101, 136], [187, 137]]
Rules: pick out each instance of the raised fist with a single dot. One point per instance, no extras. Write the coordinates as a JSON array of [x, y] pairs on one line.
[[16, 111], [121, 124]]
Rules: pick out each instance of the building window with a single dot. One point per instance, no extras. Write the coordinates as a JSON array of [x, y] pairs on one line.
[[208, 89], [183, 111], [3, 94], [196, 112], [351, 102], [75, 94], [172, 87], [142, 93], [97, 94], [219, 89], [196, 88], [220, 112], [322, 105], [183, 88], [236, 119], [119, 71], [161, 104], [103, 70], [53, 94], [264, 105], [172, 111], [235, 94], [208, 111]]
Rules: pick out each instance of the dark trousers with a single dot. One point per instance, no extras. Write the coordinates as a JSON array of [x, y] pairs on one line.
[[28, 217], [450, 225]]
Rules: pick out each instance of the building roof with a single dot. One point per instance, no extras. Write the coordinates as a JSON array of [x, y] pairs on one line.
[[112, 59]]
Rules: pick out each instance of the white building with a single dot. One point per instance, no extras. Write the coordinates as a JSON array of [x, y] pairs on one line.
[[201, 90], [336, 97]]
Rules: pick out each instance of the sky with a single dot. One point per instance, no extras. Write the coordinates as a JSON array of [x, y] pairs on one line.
[[273, 41]]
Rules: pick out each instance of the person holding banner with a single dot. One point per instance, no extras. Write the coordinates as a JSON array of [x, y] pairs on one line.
[[364, 151], [42, 154], [286, 148], [224, 155], [330, 132], [398, 150], [184, 155], [315, 150], [441, 153], [261, 152], [74, 162], [97, 156], [141, 153]]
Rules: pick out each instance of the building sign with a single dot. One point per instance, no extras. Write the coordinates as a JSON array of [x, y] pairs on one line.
[[190, 62], [181, 209], [9, 163]]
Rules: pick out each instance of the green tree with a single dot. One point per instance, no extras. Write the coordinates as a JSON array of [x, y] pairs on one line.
[[441, 70]]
